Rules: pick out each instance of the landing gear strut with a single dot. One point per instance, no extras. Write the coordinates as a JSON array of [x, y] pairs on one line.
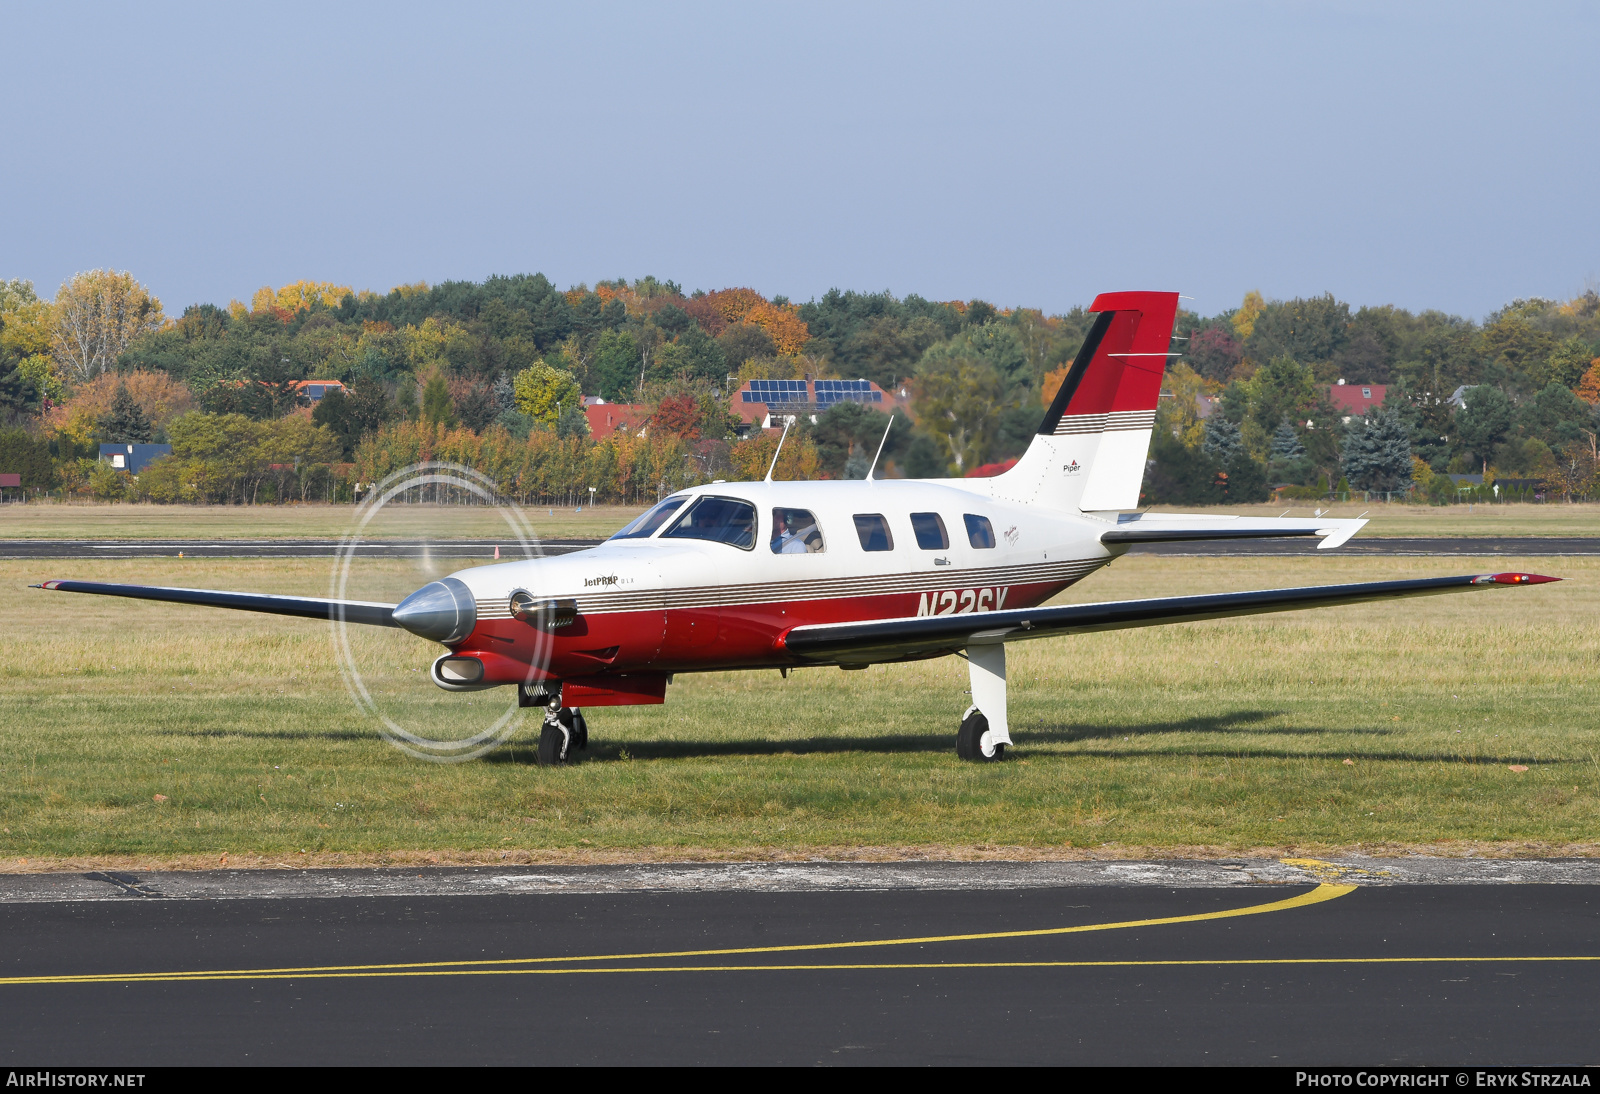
[[984, 736], [564, 728]]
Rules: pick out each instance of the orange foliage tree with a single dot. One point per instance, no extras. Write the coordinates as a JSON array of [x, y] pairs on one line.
[[160, 397], [716, 311], [783, 325], [1588, 388], [678, 415]]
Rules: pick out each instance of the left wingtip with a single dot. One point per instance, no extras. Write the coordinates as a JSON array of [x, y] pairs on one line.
[[45, 585], [1513, 579]]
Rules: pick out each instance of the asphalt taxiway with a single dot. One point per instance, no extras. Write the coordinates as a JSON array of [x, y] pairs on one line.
[[1475, 546], [1297, 961]]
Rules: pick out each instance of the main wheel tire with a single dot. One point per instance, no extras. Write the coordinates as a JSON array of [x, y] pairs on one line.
[[969, 739], [580, 730], [552, 746]]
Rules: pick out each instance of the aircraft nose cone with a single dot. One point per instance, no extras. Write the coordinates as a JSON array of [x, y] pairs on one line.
[[442, 610]]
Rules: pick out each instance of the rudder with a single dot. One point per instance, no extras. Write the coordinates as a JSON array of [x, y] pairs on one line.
[[1090, 450]]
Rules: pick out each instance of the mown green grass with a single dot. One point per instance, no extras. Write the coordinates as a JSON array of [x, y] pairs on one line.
[[52, 520], [1227, 734], [61, 520]]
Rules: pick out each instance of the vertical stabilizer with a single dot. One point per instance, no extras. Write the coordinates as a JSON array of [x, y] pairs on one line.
[[1091, 448]]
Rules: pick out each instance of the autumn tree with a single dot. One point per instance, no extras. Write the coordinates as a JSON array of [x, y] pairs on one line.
[[300, 294], [1179, 415], [1244, 320], [96, 315], [1214, 353], [1588, 388], [783, 325], [159, 398], [543, 392]]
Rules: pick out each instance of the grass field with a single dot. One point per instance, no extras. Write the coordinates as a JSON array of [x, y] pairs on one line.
[[1227, 735], [50, 520]]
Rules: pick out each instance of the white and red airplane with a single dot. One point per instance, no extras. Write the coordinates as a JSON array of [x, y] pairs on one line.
[[853, 573]]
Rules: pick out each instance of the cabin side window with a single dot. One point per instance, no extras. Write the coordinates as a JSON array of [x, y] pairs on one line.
[[796, 532], [873, 532], [980, 533], [720, 520], [929, 528], [645, 525]]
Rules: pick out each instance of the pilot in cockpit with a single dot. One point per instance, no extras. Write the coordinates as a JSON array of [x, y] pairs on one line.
[[795, 532]]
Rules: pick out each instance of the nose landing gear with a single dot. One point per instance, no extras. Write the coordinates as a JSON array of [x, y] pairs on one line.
[[564, 728]]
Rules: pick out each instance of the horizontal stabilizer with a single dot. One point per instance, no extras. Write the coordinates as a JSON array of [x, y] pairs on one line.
[[1179, 528], [928, 636], [351, 611]]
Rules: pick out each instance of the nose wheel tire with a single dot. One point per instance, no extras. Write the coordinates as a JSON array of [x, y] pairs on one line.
[[552, 746], [564, 729], [974, 741]]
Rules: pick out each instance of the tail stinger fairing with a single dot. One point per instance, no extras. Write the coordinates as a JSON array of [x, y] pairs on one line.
[[783, 574]]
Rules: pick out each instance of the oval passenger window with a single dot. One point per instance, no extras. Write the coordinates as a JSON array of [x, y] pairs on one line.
[[929, 528], [980, 533], [873, 531]]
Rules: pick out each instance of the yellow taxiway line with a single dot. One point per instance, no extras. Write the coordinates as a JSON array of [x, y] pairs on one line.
[[1323, 892]]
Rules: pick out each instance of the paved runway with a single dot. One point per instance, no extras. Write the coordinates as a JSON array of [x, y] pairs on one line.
[[1518, 546], [1290, 963]]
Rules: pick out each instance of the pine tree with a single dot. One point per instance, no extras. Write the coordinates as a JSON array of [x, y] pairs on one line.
[[125, 422], [1286, 444], [1377, 453], [1223, 440], [437, 408]]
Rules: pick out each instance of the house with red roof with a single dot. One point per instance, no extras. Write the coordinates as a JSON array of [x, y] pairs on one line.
[[1356, 400], [608, 418]]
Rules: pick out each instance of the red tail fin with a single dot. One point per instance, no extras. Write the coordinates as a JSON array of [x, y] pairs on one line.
[[1115, 381], [1091, 449]]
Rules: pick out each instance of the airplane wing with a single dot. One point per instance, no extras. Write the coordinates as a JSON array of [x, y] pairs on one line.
[[927, 636], [352, 611]]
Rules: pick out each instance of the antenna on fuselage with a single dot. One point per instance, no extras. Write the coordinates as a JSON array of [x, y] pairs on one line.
[[787, 422], [881, 443]]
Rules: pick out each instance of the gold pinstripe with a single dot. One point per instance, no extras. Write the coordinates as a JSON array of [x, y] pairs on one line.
[[774, 592], [1113, 421]]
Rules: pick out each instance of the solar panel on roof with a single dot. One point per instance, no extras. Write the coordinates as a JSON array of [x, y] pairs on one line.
[[775, 391], [830, 392]]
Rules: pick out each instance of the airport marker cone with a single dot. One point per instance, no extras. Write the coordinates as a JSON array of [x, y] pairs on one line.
[[496, 550]]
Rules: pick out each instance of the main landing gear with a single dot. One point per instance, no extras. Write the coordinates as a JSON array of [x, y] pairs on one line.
[[564, 728], [983, 736]]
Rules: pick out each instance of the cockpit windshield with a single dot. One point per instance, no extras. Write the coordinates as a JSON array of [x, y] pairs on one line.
[[721, 520], [643, 527]]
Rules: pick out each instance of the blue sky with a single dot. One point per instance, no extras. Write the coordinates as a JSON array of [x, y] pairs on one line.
[[1427, 155]]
